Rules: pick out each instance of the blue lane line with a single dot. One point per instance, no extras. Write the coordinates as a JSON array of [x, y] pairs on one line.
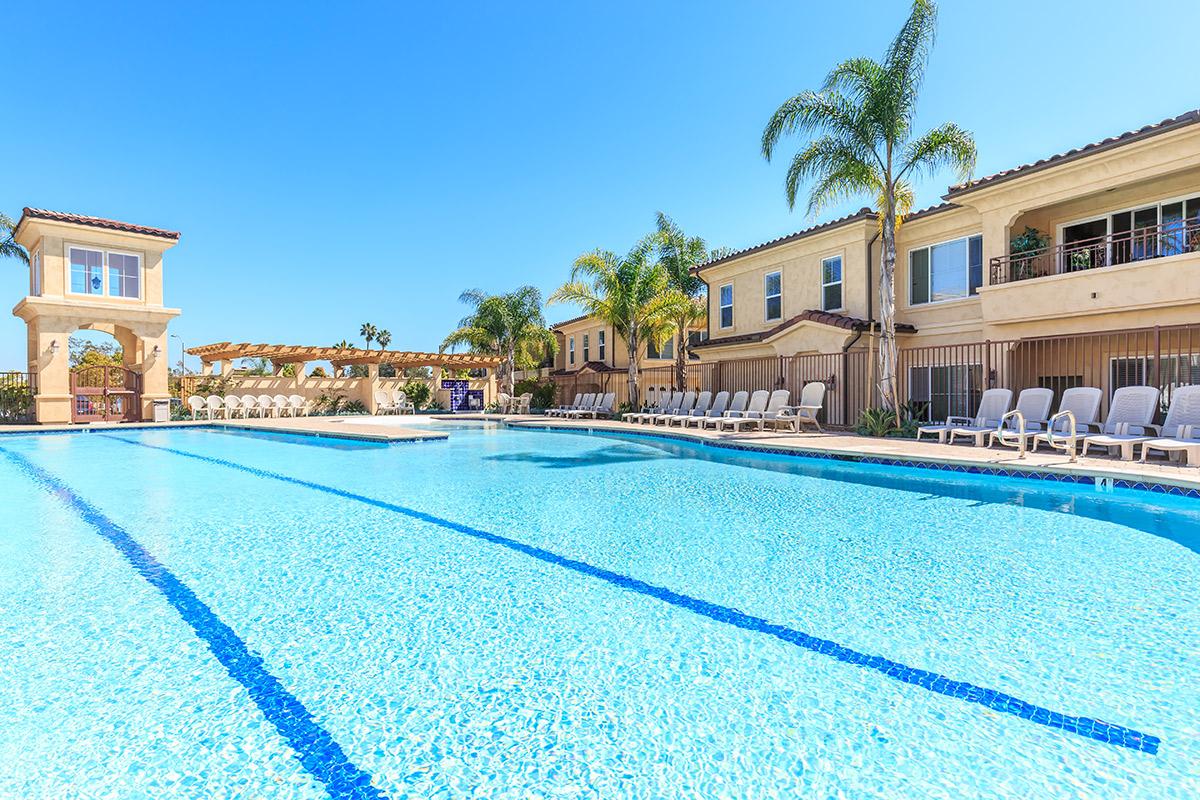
[[931, 681], [314, 746]]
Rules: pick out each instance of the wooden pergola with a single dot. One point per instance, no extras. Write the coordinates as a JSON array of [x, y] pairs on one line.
[[279, 354]]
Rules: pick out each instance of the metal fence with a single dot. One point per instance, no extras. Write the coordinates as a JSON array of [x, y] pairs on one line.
[[16, 397], [940, 380]]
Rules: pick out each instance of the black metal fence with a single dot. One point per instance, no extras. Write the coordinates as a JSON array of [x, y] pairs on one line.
[[16, 397]]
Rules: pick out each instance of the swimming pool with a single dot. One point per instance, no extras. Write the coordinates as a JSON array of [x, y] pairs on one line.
[[512, 613]]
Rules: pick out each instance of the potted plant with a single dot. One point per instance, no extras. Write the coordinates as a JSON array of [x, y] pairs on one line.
[[1023, 251]]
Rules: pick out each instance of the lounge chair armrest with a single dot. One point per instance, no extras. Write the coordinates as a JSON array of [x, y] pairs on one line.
[[960, 420], [732, 414]]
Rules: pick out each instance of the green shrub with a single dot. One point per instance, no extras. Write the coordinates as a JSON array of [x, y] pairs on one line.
[[543, 393], [418, 393], [882, 422]]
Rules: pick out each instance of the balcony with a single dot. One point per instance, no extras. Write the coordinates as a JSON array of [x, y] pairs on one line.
[[1171, 238]]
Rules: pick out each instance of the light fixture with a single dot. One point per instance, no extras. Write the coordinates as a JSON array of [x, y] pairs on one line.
[[157, 350], [53, 347]]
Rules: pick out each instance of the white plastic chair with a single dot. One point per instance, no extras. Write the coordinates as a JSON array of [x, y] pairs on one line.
[[250, 406], [216, 407], [993, 405], [266, 406], [282, 406], [198, 406], [298, 405], [233, 406]]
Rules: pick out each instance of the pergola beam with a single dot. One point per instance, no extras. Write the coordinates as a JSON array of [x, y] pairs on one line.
[[339, 357]]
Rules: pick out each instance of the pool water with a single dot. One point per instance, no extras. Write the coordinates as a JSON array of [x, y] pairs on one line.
[[511, 613]]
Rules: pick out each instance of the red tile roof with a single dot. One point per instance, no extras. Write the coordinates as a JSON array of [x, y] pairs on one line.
[[594, 366], [1129, 137], [95, 222], [580, 318], [812, 315]]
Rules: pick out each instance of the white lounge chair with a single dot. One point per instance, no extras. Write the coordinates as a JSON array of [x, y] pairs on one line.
[[605, 407], [1128, 421], [1030, 414], [597, 400], [233, 406], [298, 405], [282, 406], [685, 406], [812, 400], [198, 406], [266, 406], [753, 415], [559, 410], [250, 406], [1185, 437], [737, 407], [703, 401], [993, 404], [1077, 409], [672, 404], [383, 402], [715, 411], [216, 406], [402, 403]]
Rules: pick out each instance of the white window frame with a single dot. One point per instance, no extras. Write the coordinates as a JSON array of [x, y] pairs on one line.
[[767, 297], [1107, 216], [104, 276], [721, 306], [35, 264], [600, 345], [570, 351], [840, 282], [928, 370], [587, 341], [966, 268]]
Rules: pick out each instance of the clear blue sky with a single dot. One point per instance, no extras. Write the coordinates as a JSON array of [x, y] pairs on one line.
[[423, 149]]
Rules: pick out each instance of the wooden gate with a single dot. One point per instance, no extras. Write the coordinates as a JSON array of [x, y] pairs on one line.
[[106, 394]]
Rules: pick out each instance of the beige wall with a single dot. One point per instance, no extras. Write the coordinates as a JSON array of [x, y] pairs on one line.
[[616, 351]]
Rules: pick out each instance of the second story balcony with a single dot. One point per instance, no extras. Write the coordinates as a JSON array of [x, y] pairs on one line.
[[1081, 251]]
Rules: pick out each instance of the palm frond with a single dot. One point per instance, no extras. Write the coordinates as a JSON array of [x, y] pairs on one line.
[[947, 145], [825, 161]]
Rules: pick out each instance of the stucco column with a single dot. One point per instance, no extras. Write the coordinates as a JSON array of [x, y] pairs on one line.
[[301, 373], [155, 372], [369, 385], [997, 231], [206, 368], [50, 360]]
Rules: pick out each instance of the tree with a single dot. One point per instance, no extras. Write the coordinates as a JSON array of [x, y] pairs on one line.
[[859, 136], [82, 353], [8, 246], [680, 254], [627, 293], [507, 325], [368, 332], [384, 337]]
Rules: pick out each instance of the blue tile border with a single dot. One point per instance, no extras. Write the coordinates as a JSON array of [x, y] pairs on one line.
[[315, 747], [1095, 729], [1085, 479], [216, 426]]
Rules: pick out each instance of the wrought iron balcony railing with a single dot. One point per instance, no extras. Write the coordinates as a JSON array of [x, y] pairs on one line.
[[1169, 239]]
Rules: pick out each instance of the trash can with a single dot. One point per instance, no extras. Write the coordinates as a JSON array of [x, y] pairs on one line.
[[162, 410]]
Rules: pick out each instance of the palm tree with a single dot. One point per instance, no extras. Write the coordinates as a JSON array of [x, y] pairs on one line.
[[627, 293], [368, 332], [8, 247], [507, 325], [384, 337], [679, 255], [860, 141]]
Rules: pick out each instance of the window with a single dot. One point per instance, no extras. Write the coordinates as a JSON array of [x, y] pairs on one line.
[[88, 267], [831, 284], [946, 271], [667, 350], [1167, 228], [122, 275], [600, 344], [35, 266], [726, 305], [1173, 371], [773, 291], [571, 351], [952, 390], [585, 349]]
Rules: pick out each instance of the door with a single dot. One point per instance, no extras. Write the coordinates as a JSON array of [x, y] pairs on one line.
[[105, 394]]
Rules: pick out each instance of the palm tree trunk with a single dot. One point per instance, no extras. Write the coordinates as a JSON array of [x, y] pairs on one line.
[[510, 364], [633, 370], [887, 314], [681, 359]]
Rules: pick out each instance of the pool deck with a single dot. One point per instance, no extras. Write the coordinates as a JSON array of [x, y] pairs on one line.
[[837, 443]]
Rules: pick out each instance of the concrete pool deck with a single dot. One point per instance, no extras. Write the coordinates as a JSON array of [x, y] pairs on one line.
[[407, 428]]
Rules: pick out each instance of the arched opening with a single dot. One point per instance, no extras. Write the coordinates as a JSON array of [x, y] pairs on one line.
[[106, 380]]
